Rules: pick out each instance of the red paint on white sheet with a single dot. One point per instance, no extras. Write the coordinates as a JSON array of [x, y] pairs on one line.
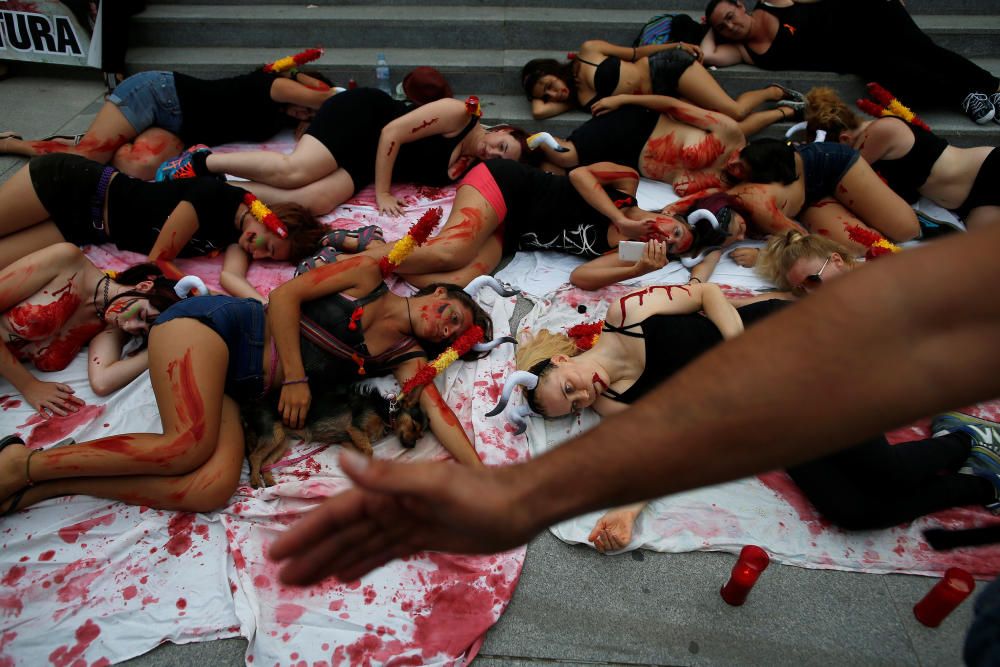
[[783, 486], [53, 429], [288, 613], [70, 534], [65, 656]]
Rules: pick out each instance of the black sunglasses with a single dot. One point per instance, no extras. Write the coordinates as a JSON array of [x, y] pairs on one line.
[[814, 280]]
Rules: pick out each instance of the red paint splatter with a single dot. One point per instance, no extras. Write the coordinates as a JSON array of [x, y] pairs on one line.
[[70, 534], [181, 603], [9, 403], [426, 123], [649, 290], [55, 428], [65, 656], [370, 594], [597, 380], [443, 408], [47, 555], [13, 575], [179, 528], [288, 613], [783, 486], [391, 147], [10, 605], [130, 592]]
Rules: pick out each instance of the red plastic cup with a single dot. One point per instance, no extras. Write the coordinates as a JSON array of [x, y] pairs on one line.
[[753, 560], [352, 84], [948, 593]]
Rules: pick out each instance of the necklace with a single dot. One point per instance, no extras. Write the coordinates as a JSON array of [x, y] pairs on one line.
[[107, 284], [410, 318]]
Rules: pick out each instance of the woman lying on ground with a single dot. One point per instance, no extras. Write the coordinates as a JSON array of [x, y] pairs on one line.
[[822, 184], [152, 116], [872, 485], [54, 302], [206, 353], [716, 221], [801, 263], [664, 138], [914, 162], [602, 70], [358, 137], [56, 198], [885, 46], [502, 206]]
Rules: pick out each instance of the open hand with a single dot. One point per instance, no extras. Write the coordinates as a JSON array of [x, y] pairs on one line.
[[397, 509], [52, 398], [613, 531], [389, 205], [606, 104]]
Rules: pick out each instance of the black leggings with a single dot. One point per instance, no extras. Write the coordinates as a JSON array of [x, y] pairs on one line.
[[878, 485], [909, 64]]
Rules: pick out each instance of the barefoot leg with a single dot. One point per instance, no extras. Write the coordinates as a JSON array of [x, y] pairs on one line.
[[204, 489]]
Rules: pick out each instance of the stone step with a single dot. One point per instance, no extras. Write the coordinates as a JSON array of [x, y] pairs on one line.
[[652, 6], [378, 27], [954, 127], [481, 72]]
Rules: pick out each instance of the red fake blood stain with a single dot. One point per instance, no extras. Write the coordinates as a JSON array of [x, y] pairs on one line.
[[179, 528], [46, 555], [443, 408], [597, 380], [693, 182], [65, 656], [10, 606], [458, 612], [783, 487], [370, 594], [426, 123], [288, 613], [9, 403], [55, 428], [181, 603], [13, 575], [130, 592], [649, 290], [391, 147], [70, 534]]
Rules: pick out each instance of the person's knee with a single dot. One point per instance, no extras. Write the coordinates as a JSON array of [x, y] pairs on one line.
[[209, 490], [187, 450]]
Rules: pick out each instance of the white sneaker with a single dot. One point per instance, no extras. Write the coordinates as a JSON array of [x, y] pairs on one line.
[[979, 108]]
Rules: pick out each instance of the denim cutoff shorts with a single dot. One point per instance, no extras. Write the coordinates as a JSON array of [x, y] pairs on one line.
[[240, 324], [824, 163], [149, 99]]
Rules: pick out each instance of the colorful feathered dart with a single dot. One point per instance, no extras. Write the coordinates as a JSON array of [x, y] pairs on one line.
[[427, 374], [886, 104], [265, 215], [288, 62], [877, 244], [415, 237], [585, 335]]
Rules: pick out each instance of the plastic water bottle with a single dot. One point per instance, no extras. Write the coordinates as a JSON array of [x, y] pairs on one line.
[[382, 74]]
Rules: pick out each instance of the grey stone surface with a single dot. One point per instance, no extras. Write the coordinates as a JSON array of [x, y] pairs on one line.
[[906, 592], [378, 26], [218, 653]]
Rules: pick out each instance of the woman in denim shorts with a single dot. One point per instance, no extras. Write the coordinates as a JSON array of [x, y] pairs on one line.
[[209, 353], [152, 116], [825, 186]]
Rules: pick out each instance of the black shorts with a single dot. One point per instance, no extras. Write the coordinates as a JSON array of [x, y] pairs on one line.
[[986, 188], [666, 68], [67, 185], [824, 164], [349, 124]]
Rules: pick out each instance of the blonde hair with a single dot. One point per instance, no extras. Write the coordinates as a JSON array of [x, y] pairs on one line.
[[826, 111], [783, 251], [541, 346]]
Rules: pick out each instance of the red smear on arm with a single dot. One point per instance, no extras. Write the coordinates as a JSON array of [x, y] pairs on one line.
[[426, 123], [391, 147], [446, 412]]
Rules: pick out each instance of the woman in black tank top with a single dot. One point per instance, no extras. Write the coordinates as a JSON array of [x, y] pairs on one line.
[[602, 69], [358, 137], [648, 335], [502, 206], [914, 161], [885, 45], [152, 116], [208, 352]]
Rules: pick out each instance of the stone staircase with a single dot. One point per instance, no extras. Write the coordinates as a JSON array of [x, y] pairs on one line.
[[481, 46]]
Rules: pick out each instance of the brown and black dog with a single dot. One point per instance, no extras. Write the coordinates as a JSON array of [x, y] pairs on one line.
[[352, 414]]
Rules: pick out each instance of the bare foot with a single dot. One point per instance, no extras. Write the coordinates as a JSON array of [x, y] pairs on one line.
[[613, 531]]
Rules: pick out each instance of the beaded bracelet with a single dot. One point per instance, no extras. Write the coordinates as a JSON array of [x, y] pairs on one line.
[[287, 382]]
